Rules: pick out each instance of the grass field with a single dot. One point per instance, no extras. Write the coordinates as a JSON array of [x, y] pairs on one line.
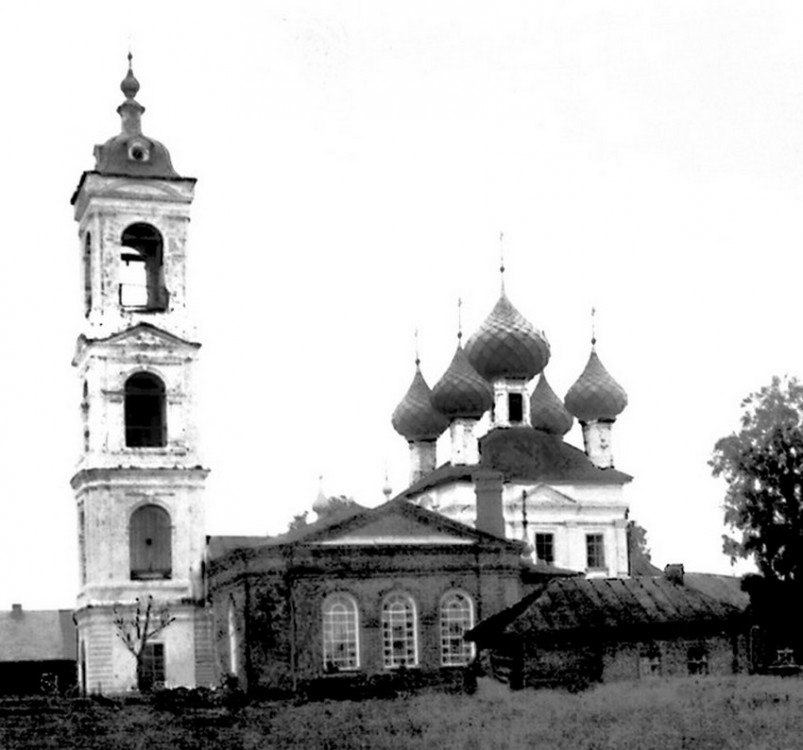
[[748, 713]]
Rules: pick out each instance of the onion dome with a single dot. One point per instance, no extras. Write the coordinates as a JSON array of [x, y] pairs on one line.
[[547, 412], [321, 503], [415, 418], [595, 395], [507, 345], [462, 392], [131, 153]]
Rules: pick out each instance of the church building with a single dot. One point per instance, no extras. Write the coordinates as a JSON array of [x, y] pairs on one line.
[[363, 595]]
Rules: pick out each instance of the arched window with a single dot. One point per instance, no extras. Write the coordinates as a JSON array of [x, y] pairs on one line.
[[457, 616], [142, 284], [150, 539], [399, 632], [341, 648], [145, 422]]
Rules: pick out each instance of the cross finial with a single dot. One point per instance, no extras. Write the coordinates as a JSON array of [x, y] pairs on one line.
[[593, 327], [459, 319], [417, 357], [502, 259]]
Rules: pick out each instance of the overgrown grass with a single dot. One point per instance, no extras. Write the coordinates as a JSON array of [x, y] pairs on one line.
[[754, 713]]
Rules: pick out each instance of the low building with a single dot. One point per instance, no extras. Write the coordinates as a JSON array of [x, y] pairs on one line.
[[576, 631], [369, 597], [37, 651]]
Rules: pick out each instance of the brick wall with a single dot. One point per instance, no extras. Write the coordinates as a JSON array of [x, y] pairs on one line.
[[277, 599]]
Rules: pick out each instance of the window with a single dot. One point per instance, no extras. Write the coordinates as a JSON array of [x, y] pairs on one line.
[[515, 407], [234, 646], [142, 285], [152, 672], [697, 659], [145, 425], [399, 636], [457, 616], [150, 537], [340, 633], [82, 542], [545, 547], [85, 416], [595, 552], [650, 661], [87, 273]]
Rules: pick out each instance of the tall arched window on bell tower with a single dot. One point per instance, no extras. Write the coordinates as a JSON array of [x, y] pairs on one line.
[[150, 543], [142, 285], [145, 418]]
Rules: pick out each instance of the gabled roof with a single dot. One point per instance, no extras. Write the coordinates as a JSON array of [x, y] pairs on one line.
[[401, 522], [396, 522], [575, 605], [37, 635]]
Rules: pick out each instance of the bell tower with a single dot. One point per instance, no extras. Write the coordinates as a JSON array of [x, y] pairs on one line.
[[139, 480]]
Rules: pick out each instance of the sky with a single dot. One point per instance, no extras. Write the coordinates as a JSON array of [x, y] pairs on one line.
[[356, 163]]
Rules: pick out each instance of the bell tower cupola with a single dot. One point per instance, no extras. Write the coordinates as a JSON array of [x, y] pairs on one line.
[[132, 211]]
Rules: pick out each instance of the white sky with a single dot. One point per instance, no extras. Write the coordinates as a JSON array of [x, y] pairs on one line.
[[356, 163]]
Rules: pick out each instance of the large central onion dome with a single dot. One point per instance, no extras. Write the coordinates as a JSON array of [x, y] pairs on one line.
[[415, 418], [547, 412], [462, 392], [507, 345], [596, 395]]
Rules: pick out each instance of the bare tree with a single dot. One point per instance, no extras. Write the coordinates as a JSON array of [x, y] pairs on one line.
[[137, 628]]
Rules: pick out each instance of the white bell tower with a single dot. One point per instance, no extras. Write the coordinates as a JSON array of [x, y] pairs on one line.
[[139, 480]]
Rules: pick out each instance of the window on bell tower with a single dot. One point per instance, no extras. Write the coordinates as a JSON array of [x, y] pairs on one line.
[[150, 543], [142, 286], [145, 419], [87, 273]]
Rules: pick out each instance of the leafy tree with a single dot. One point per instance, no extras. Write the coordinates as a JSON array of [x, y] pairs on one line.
[[137, 628], [299, 521], [638, 551], [336, 505], [762, 465]]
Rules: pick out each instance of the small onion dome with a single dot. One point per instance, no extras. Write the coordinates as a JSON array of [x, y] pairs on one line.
[[595, 395], [462, 392], [321, 502], [507, 345], [547, 412], [415, 418]]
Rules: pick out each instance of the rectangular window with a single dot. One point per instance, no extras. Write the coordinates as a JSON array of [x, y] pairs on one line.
[[545, 547], [595, 552], [153, 665], [697, 660], [515, 407], [650, 662]]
